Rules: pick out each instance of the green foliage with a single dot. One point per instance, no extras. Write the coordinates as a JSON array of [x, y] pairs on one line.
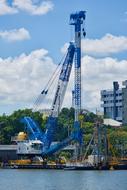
[[118, 140], [66, 154], [65, 123], [87, 127], [91, 117], [10, 125]]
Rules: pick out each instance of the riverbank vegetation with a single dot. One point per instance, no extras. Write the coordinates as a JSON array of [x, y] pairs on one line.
[[10, 125]]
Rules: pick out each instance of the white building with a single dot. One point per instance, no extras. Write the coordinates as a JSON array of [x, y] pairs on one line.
[[115, 102]]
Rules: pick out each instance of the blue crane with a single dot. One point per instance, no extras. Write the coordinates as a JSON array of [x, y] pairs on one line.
[[33, 130], [77, 19]]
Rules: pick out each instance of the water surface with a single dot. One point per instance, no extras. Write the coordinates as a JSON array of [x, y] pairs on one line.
[[62, 180]]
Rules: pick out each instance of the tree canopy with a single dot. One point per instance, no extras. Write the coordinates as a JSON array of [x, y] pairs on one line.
[[10, 125]]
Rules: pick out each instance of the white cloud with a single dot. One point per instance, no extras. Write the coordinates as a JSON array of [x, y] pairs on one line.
[[6, 9], [38, 7], [64, 48], [15, 35], [22, 78], [107, 45], [97, 75], [33, 8]]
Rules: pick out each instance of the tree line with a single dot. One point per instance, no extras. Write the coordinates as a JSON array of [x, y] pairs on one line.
[[10, 125]]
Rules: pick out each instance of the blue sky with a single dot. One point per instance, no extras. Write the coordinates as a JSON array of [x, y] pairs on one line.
[[50, 31]]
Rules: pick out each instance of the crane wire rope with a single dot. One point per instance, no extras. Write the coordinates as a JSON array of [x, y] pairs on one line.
[[46, 90], [49, 84], [38, 104]]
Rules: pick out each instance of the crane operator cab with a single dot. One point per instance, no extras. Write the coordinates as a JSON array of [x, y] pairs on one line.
[[31, 147]]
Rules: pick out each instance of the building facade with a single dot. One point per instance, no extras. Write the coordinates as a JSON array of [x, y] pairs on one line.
[[115, 102], [124, 102]]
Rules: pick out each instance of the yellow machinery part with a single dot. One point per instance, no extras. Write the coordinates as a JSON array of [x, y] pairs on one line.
[[21, 136], [20, 162]]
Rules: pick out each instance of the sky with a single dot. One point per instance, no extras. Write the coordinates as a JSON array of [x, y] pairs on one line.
[[34, 35]]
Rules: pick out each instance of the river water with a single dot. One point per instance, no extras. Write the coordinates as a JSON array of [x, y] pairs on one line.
[[62, 180]]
